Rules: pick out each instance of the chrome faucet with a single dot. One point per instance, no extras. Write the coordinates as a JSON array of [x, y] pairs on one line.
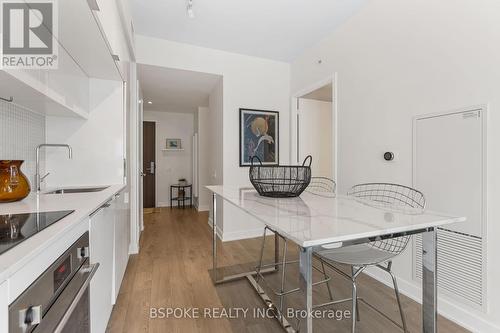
[[39, 179]]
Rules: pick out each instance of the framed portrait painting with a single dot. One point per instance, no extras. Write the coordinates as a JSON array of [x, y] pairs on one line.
[[259, 136]]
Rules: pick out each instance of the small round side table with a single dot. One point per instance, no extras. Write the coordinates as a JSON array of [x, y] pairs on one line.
[[182, 195]]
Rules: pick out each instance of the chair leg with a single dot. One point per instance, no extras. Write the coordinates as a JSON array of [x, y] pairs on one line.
[[358, 318], [326, 278], [398, 298], [354, 305]]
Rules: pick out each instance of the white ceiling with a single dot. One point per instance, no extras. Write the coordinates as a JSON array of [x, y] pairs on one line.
[[174, 90], [274, 29]]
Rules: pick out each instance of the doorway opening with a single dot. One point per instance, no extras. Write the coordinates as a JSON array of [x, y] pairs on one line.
[[314, 127], [178, 126]]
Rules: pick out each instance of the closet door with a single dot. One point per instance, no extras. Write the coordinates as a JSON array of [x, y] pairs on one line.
[[448, 168]]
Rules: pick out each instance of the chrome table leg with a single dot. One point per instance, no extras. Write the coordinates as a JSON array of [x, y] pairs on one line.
[[214, 236], [238, 276], [305, 283], [429, 281]]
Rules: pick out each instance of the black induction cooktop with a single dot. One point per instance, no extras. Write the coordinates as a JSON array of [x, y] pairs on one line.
[[15, 228]]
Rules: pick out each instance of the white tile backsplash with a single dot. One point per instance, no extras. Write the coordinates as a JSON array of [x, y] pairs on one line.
[[21, 130]]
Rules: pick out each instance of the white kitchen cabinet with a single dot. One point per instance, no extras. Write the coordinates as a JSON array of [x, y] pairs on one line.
[[64, 91], [91, 49], [120, 241], [4, 307], [109, 20], [31, 89], [101, 251]]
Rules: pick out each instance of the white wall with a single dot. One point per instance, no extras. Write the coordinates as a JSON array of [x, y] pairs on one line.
[[172, 165], [203, 131], [216, 154], [210, 120], [248, 82], [316, 135], [215, 138], [98, 143], [397, 59]]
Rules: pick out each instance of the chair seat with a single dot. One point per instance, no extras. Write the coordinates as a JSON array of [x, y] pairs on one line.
[[358, 255]]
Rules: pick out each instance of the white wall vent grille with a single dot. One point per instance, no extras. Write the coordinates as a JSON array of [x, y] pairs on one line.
[[460, 265]]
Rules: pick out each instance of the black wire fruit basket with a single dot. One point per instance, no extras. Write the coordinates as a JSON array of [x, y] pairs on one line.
[[282, 181]]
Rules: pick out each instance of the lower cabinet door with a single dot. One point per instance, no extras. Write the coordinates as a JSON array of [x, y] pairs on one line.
[[121, 241], [101, 286], [4, 307]]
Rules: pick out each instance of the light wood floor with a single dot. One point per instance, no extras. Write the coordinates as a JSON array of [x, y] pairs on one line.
[[172, 270]]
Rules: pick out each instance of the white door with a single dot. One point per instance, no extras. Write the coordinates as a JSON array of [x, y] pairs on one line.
[[101, 251], [120, 241], [449, 170], [448, 166]]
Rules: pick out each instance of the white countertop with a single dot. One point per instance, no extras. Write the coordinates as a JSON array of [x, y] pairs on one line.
[[318, 219], [82, 203]]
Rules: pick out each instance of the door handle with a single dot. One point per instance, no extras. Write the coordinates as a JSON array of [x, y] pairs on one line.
[[67, 316], [151, 168]]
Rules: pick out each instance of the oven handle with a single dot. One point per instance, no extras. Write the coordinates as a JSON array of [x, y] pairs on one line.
[[64, 320]]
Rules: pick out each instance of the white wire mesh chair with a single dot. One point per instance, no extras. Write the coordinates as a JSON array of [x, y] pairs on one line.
[[378, 253], [317, 184], [321, 184]]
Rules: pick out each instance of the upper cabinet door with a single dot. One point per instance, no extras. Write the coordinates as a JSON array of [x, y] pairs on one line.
[[81, 34], [83, 52]]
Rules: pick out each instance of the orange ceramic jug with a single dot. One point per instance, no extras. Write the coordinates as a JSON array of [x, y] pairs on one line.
[[14, 185]]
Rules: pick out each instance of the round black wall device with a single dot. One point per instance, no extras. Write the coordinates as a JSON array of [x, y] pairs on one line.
[[388, 156]]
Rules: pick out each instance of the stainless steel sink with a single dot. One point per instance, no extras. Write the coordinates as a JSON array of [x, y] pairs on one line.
[[78, 190]]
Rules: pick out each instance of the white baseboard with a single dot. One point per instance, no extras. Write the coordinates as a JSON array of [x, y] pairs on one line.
[[167, 204], [446, 307], [236, 235], [243, 234], [133, 249], [203, 208], [219, 231]]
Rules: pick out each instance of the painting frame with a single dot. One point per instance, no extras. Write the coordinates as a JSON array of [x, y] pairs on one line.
[[269, 152], [173, 143]]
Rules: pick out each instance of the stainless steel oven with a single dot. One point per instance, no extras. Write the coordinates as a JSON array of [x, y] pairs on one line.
[[58, 301]]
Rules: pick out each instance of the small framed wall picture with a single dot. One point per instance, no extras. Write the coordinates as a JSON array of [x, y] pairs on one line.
[[259, 136], [174, 144]]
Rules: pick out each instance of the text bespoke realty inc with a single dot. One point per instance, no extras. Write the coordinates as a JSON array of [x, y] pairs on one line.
[[235, 313]]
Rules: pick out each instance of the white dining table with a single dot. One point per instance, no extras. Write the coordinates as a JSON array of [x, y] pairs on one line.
[[314, 220]]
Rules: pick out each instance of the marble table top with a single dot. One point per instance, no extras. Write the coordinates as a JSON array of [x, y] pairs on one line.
[[315, 219]]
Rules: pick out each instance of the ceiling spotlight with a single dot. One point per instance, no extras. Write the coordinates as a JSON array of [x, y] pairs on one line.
[[149, 102], [189, 8]]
